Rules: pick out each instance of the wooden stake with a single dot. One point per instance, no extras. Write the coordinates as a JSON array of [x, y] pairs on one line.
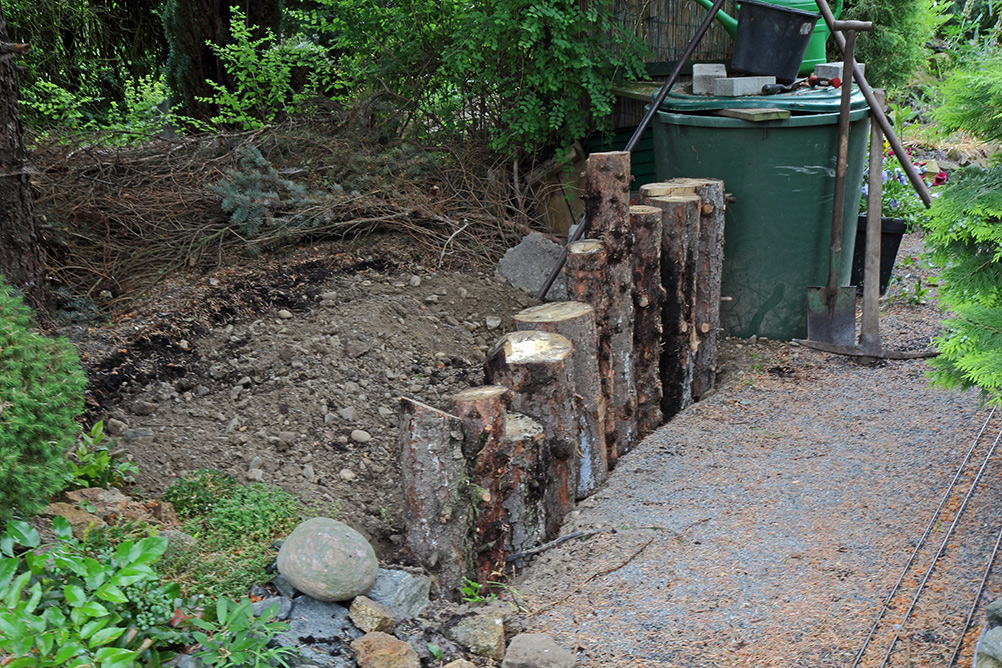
[[585, 269], [709, 270], [678, 263], [648, 298], [436, 492], [536, 367], [576, 321], [484, 417], [607, 202]]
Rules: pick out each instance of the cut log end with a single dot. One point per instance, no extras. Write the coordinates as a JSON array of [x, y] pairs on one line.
[[586, 247], [484, 393], [554, 312], [532, 347]]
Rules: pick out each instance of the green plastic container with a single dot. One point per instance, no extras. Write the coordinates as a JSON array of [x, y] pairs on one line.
[[782, 173]]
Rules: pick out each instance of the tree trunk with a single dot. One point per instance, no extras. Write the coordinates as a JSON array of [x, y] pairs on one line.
[[648, 298], [607, 203], [488, 454], [710, 268], [436, 492], [524, 484], [576, 321], [585, 270], [678, 264], [535, 366], [20, 242]]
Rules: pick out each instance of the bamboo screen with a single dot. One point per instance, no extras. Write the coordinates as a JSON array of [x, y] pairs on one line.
[[667, 26]]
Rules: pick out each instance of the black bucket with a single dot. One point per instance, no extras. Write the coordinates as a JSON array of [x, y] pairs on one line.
[[891, 231], [772, 40]]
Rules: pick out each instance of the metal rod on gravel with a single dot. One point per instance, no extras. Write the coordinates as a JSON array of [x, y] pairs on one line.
[[922, 539], [653, 109], [942, 548], [977, 598]]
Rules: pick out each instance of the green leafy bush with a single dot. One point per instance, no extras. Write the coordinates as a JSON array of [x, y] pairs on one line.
[[896, 48], [92, 464], [66, 607], [972, 100], [41, 393], [196, 494], [237, 638]]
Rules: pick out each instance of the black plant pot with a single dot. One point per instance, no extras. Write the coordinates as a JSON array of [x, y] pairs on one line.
[[891, 231]]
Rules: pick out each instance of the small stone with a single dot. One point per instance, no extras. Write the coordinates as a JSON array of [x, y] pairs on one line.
[[115, 427], [352, 387], [254, 475], [348, 475], [368, 615], [401, 591], [381, 650], [536, 650], [361, 436], [256, 462], [415, 281], [431, 299], [482, 633], [460, 663], [492, 322], [328, 296], [183, 345], [287, 437], [348, 413], [356, 349], [329, 418], [282, 605], [328, 560], [386, 412], [308, 472], [144, 407], [285, 314]]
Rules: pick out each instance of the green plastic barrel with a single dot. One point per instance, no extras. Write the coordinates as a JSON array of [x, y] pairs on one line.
[[777, 232]]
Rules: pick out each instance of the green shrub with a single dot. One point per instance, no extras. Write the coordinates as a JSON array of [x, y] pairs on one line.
[[195, 494], [896, 48], [92, 464], [41, 393], [972, 100]]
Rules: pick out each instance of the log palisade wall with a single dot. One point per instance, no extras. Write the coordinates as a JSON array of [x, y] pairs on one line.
[[576, 385]]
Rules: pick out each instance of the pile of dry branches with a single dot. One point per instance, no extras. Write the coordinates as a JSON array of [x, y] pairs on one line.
[[117, 220]]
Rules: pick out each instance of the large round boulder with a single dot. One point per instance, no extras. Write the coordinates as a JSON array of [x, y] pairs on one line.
[[328, 560]]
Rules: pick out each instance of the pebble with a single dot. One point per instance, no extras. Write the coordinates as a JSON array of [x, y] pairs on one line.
[[415, 281], [386, 412], [256, 462], [361, 436], [348, 475], [285, 314], [352, 388], [492, 322], [329, 417], [348, 413], [431, 299], [309, 473], [328, 296], [183, 345], [255, 475]]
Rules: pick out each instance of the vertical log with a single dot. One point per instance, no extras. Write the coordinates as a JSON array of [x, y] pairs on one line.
[[576, 321], [678, 264], [436, 492], [648, 298], [607, 202], [710, 267], [524, 485], [585, 270], [536, 367], [484, 417]]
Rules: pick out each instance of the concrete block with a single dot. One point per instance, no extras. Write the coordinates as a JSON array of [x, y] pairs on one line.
[[703, 76], [740, 86], [832, 70]]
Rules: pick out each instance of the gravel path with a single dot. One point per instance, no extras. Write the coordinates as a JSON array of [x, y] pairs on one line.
[[766, 525]]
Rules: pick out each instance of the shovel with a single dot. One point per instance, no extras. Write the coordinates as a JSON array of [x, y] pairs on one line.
[[831, 310]]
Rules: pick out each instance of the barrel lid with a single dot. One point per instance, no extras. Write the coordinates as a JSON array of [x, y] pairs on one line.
[[805, 100]]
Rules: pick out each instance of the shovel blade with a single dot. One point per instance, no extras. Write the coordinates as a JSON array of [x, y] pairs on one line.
[[831, 316]]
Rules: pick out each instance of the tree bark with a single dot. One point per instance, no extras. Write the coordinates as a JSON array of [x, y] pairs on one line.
[[585, 270], [436, 492], [20, 240], [576, 321], [648, 297], [535, 366], [706, 306], [678, 260], [488, 454], [607, 203], [524, 484]]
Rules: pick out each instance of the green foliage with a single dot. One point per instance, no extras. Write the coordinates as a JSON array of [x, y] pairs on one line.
[[474, 592], [258, 198], [41, 394], [898, 198], [972, 100], [74, 608], [238, 639], [261, 86], [234, 526], [896, 48], [966, 241], [520, 73], [92, 464]]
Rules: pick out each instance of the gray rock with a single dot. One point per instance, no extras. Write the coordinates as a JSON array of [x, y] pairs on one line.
[[322, 632], [143, 407], [349, 413], [415, 281], [309, 473], [400, 591], [991, 643], [527, 266], [536, 650], [368, 615], [328, 560], [481, 632], [115, 427], [285, 314], [281, 613], [184, 661], [287, 436], [284, 587], [138, 434], [361, 436], [356, 349]]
